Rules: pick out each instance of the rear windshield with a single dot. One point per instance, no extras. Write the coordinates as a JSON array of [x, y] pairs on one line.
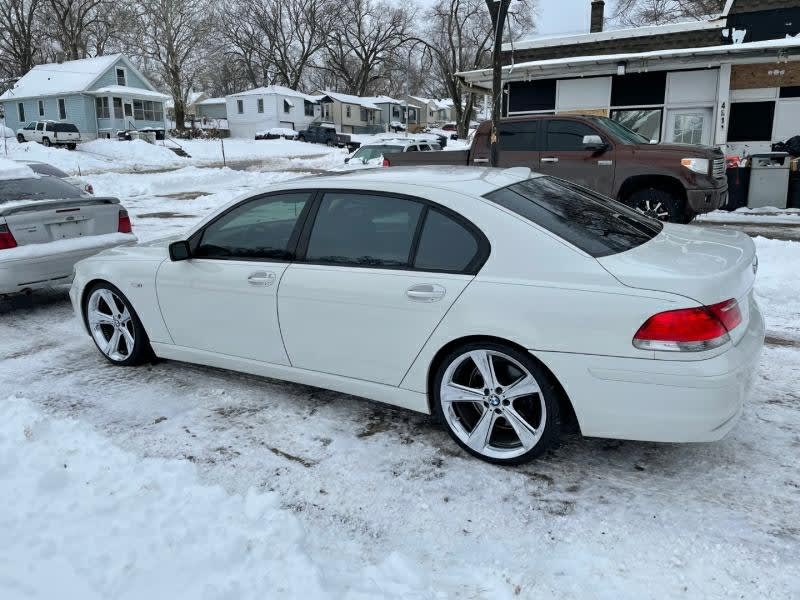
[[372, 152], [597, 225], [44, 188], [45, 169], [63, 127]]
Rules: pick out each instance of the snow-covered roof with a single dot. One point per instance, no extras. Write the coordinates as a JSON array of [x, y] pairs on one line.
[[534, 41], [438, 104], [348, 99], [483, 77], [275, 89], [212, 101], [129, 91], [60, 78], [381, 100]]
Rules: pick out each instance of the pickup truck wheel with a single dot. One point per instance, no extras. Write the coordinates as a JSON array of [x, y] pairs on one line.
[[20, 138], [46, 142], [657, 204], [331, 143]]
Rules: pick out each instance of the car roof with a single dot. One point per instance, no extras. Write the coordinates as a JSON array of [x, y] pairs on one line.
[[473, 181]]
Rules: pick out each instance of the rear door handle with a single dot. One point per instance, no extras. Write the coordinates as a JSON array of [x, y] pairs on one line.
[[261, 278], [426, 292], [549, 159]]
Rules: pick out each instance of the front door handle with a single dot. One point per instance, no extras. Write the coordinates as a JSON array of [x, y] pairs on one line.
[[550, 159], [261, 278], [426, 292]]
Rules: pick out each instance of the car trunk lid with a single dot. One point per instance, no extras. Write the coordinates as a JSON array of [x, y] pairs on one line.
[[42, 221], [707, 265]]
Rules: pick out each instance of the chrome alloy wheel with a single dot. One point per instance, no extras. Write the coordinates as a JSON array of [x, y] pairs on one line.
[[654, 209], [110, 324], [493, 404]]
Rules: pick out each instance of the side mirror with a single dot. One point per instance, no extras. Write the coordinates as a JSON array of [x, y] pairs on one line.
[[179, 251], [594, 142], [347, 160]]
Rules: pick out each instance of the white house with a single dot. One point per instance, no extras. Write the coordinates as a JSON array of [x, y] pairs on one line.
[[264, 108]]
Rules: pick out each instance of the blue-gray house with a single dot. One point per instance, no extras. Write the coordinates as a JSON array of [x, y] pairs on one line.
[[101, 95]]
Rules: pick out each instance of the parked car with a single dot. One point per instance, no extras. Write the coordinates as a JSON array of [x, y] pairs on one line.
[[503, 302], [47, 225], [670, 182], [323, 134], [42, 168], [368, 153], [50, 133]]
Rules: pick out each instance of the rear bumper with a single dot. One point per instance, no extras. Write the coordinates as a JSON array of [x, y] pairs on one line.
[[706, 200], [45, 265], [660, 400]]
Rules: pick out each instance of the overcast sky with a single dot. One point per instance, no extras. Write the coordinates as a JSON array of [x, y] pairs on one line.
[[563, 16]]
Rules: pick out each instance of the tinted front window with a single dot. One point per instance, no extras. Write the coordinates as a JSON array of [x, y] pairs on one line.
[[44, 188], [259, 229], [567, 135], [445, 245], [597, 225], [519, 135], [363, 230]]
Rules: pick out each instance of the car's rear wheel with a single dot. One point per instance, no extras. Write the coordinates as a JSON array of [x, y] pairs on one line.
[[115, 327], [46, 142], [496, 402], [658, 204], [71, 146]]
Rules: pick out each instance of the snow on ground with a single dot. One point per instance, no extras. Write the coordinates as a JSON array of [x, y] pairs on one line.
[[778, 286]]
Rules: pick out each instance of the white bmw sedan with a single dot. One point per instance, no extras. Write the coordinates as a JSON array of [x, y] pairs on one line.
[[503, 302]]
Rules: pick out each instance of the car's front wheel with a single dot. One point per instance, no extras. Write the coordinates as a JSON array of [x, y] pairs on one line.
[[658, 204], [20, 138], [497, 402], [115, 327]]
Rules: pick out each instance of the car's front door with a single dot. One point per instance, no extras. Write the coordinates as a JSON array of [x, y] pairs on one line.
[[38, 134], [375, 275], [565, 155], [223, 298]]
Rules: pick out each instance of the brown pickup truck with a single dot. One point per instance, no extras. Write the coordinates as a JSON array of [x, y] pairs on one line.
[[671, 182]]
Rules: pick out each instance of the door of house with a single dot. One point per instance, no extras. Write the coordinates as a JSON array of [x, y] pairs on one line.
[[689, 125]]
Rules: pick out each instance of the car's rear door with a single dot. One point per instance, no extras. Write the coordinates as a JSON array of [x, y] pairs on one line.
[[564, 155], [519, 143], [223, 298], [375, 275]]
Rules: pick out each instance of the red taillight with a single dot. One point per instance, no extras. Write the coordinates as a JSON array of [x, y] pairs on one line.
[[385, 163], [6, 238], [124, 222], [689, 329]]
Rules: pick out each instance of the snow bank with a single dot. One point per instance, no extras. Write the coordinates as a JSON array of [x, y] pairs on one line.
[[134, 153], [282, 131], [91, 521], [250, 149], [777, 284], [67, 160], [7, 132], [10, 169]]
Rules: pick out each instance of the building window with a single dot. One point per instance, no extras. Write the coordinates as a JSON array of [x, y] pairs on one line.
[[21, 111], [530, 96], [138, 110], [395, 112], [41, 108], [363, 114], [102, 107], [128, 110], [688, 129], [121, 76], [260, 105], [240, 106], [309, 108], [636, 89], [347, 111], [644, 121], [62, 108], [287, 106], [751, 121], [117, 102]]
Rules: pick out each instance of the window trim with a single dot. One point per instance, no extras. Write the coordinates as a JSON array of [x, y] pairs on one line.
[[292, 247], [58, 103], [473, 268], [124, 75], [239, 106], [259, 105]]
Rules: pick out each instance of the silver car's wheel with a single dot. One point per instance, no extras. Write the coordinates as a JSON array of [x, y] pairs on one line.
[[497, 404], [111, 324]]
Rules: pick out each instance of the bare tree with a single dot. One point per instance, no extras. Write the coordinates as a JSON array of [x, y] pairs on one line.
[[73, 21], [636, 13], [362, 39], [458, 38], [175, 35], [19, 36]]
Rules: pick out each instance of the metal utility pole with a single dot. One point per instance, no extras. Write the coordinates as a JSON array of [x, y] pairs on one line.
[[498, 10]]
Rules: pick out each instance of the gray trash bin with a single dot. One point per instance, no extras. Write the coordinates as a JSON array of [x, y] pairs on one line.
[[769, 180]]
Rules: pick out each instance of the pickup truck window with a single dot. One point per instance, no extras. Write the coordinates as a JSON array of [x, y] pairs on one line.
[[519, 135], [597, 225], [623, 133], [565, 135]]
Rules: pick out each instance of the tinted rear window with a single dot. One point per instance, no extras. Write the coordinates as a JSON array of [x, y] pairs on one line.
[[63, 127], [597, 225], [44, 188]]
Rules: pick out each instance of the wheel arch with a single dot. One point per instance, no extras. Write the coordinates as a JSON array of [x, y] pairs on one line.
[[568, 416], [636, 183]]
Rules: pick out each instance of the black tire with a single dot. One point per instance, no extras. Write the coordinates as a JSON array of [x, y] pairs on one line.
[[46, 142], [142, 352], [301, 138], [658, 204], [548, 397], [71, 146], [20, 138]]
